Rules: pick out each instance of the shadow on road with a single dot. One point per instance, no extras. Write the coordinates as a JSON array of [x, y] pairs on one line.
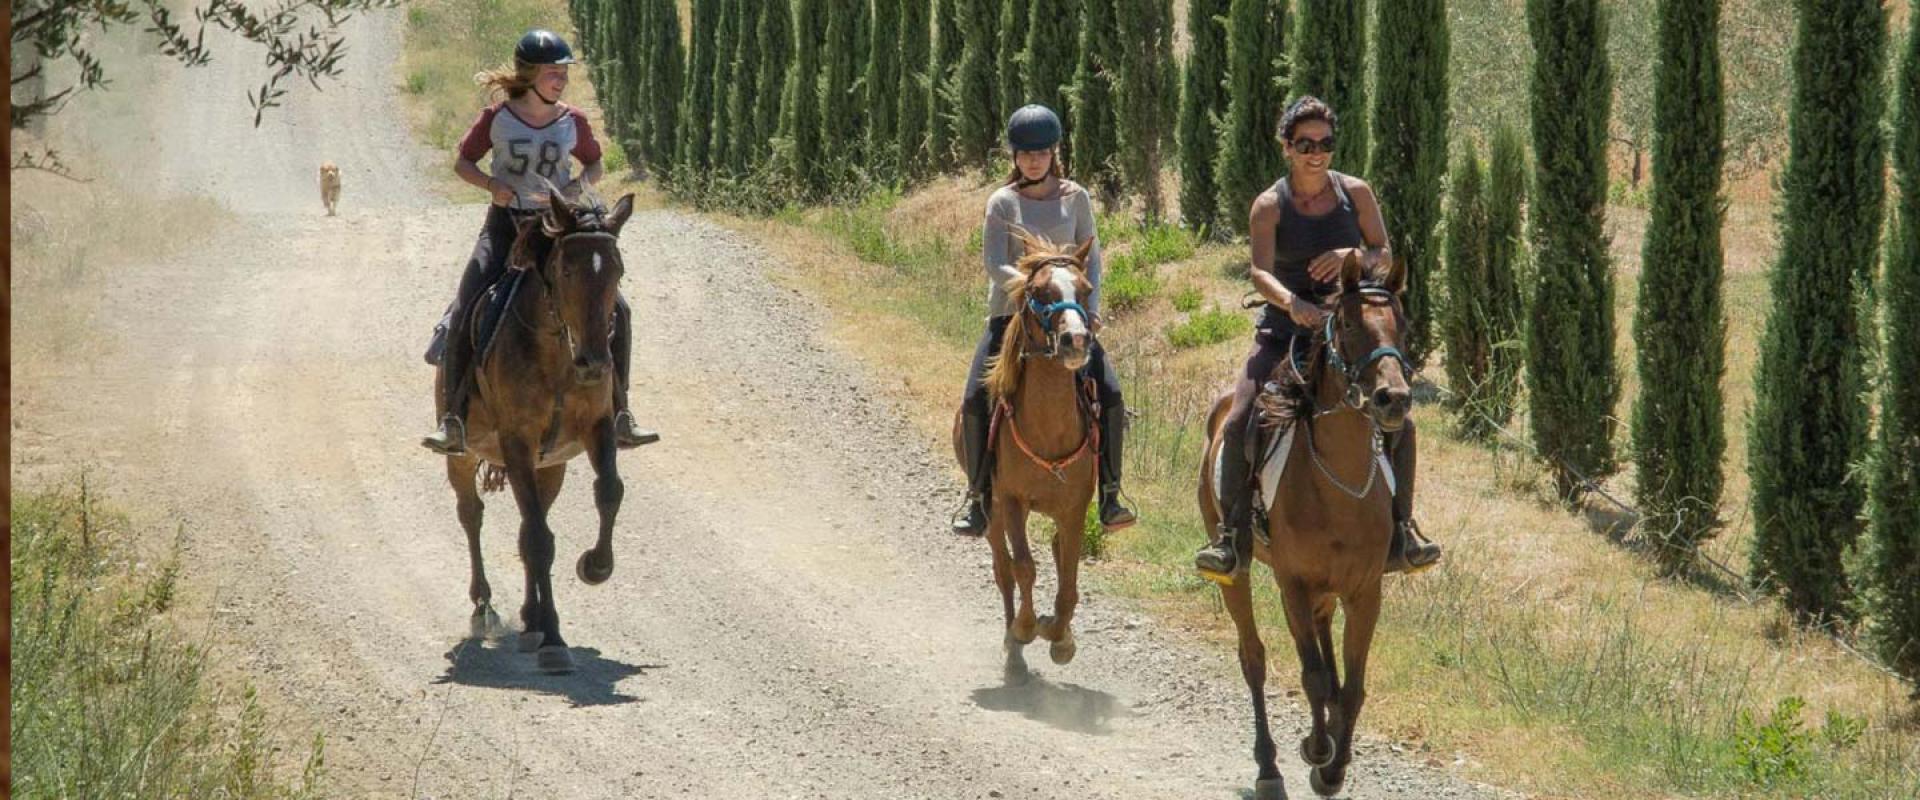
[[496, 665], [1062, 705]]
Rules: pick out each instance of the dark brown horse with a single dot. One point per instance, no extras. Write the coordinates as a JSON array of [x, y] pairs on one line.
[[544, 395], [1044, 438], [1328, 525]]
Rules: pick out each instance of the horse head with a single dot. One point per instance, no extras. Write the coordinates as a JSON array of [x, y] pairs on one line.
[[582, 274], [1048, 294], [1365, 334]]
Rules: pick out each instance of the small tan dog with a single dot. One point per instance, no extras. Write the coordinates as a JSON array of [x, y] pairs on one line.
[[329, 186]]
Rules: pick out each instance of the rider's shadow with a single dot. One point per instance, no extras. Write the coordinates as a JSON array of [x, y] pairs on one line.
[[1062, 705], [497, 665]]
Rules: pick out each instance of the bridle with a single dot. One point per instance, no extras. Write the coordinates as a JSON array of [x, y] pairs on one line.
[[1046, 314], [1354, 399]]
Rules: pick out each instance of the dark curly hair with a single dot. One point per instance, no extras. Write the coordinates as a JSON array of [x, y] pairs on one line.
[[1306, 109]]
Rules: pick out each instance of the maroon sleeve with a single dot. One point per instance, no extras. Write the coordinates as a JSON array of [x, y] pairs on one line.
[[479, 138], [586, 149]]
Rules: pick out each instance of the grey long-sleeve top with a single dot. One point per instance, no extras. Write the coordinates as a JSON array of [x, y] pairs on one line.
[[1064, 219]]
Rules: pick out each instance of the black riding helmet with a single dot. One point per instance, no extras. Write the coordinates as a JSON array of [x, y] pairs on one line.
[[542, 46], [1033, 127]]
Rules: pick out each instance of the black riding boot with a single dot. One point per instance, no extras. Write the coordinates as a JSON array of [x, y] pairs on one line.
[[456, 370], [1224, 558], [1113, 428], [626, 434], [972, 520], [1408, 551]]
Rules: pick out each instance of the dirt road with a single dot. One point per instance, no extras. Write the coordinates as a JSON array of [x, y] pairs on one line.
[[787, 619]]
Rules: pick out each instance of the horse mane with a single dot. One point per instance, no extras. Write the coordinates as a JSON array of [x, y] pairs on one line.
[[1003, 369]]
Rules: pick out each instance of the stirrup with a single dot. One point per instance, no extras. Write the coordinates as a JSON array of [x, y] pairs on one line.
[[1240, 561], [1410, 539], [962, 521], [443, 441], [1123, 519], [630, 435]]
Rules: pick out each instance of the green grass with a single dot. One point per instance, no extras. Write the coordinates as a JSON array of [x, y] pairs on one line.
[[1126, 283], [1211, 326], [1187, 300], [109, 698]]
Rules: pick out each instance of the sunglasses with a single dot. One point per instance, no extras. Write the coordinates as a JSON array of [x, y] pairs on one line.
[[1306, 147]]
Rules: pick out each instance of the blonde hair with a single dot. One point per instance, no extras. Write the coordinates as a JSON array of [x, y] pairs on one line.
[[515, 79]]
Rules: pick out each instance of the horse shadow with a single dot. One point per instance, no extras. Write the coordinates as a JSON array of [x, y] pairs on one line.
[[1065, 706], [495, 664]]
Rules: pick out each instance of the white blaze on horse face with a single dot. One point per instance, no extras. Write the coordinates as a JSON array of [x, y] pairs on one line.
[[1071, 322], [596, 263]]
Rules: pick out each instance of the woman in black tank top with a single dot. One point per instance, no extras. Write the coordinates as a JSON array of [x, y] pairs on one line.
[[1302, 230]]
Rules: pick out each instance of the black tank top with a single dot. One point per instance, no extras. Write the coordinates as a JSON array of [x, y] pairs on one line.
[[1300, 238]]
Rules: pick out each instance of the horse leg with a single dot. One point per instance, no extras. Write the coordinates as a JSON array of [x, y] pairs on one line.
[[1362, 614], [460, 473], [1316, 679], [1002, 572], [596, 565], [1253, 666], [1013, 517], [534, 490], [522, 479], [553, 657], [1057, 628]]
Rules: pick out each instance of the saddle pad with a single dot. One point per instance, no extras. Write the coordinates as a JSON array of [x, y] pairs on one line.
[[1272, 464]]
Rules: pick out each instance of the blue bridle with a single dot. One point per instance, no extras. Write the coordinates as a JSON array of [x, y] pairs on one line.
[[1353, 370], [1046, 313]]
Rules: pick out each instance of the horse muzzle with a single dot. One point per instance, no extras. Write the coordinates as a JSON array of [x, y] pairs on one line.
[[590, 372], [1390, 407]]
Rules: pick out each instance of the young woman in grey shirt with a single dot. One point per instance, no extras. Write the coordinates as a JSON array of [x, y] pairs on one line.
[[1037, 197]]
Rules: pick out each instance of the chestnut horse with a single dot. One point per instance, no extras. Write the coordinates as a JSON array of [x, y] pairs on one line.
[[1045, 439], [1328, 525], [544, 395]]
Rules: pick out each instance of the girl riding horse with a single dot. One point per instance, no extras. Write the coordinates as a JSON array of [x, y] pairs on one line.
[[1039, 199], [1302, 231], [534, 139]]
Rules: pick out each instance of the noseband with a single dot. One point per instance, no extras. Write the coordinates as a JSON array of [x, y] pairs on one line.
[[1047, 313]]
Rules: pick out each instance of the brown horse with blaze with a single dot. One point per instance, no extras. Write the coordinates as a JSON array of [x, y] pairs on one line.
[[1044, 430]]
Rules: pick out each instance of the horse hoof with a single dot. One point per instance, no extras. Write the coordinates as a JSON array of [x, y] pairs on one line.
[[591, 573], [1322, 786], [555, 659], [1022, 633], [1062, 651], [483, 623], [530, 641], [1270, 789], [1312, 758]]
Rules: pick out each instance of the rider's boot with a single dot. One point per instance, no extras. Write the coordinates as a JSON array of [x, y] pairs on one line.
[[1409, 551], [626, 433], [451, 438], [1227, 557], [972, 519], [1113, 427]]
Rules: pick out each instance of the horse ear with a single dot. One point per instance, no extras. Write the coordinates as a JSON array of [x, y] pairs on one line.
[[622, 209], [1082, 252], [559, 211], [1350, 273], [1397, 276]]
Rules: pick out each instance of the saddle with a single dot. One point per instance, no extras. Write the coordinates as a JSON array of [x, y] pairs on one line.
[[490, 309]]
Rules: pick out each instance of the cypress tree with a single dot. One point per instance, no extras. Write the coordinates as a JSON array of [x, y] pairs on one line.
[[946, 56], [975, 95], [1809, 422], [883, 85], [1143, 97], [800, 120], [1467, 327], [662, 85], [1096, 135], [1051, 49], [1249, 156], [726, 40], [1893, 548], [916, 86], [1203, 105], [1410, 125], [1010, 54], [1570, 360], [696, 111], [839, 132], [741, 92], [1507, 192], [774, 49], [1329, 62], [862, 59], [1679, 323]]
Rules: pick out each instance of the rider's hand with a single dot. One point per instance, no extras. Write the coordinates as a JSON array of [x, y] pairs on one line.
[[1326, 267], [1306, 314], [502, 193]]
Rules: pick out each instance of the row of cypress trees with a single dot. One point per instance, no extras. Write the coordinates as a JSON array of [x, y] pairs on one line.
[[760, 94]]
